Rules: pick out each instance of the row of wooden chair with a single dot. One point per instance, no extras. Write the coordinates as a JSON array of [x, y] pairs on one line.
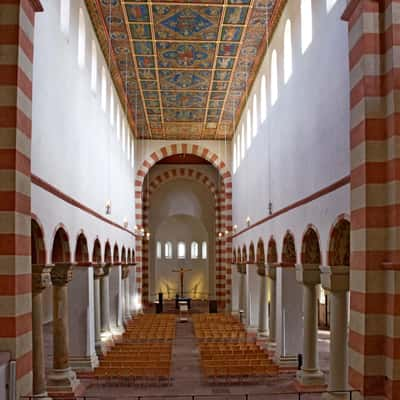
[[230, 374]]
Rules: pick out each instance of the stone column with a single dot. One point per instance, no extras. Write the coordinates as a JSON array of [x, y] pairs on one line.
[[98, 273], [242, 292], [125, 294], [310, 375], [105, 303], [271, 273], [61, 378], [336, 280], [262, 318], [41, 279]]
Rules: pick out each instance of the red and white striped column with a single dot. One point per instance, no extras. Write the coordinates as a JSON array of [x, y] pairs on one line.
[[374, 337], [17, 19]]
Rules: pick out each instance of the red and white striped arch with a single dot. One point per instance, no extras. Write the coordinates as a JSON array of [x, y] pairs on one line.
[[223, 223]]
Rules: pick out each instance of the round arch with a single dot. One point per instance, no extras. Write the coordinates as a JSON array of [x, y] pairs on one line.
[[60, 252], [96, 255], [310, 248], [116, 254], [289, 257], [107, 253], [272, 255], [81, 250], [260, 257], [252, 254], [339, 243], [38, 252]]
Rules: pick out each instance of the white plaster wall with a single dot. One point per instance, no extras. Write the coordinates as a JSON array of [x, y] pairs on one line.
[[74, 146], [303, 146]]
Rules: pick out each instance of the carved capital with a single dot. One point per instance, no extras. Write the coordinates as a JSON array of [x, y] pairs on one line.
[[125, 271], [61, 274], [98, 271], [271, 271], [41, 278], [308, 274], [106, 269], [241, 268], [335, 278], [261, 270]]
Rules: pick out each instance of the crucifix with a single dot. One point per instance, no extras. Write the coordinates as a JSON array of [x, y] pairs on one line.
[[181, 275]]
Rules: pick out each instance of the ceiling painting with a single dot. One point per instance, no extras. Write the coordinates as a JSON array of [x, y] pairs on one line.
[[184, 66]]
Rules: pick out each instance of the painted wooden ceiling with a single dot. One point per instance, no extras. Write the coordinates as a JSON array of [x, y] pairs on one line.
[[183, 68]]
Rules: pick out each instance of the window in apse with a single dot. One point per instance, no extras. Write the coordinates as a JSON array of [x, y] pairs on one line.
[[234, 157], [158, 250], [168, 250], [181, 250], [204, 251], [194, 250], [81, 39], [242, 144]]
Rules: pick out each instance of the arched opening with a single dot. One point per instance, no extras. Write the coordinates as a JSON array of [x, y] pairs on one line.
[[234, 256], [129, 259], [107, 253], [288, 250], [287, 52], [116, 254], [252, 256], [61, 251], [81, 250], [96, 255], [215, 177], [38, 252], [260, 258], [123, 255], [272, 255], [239, 256], [244, 255], [310, 250], [339, 244], [274, 77]]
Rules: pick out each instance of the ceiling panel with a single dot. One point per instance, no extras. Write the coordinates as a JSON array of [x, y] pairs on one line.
[[185, 66]]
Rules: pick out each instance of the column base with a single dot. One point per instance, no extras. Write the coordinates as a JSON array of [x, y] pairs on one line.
[[287, 363], [62, 380], [100, 348], [84, 363], [271, 349], [42, 396], [310, 379], [262, 334], [335, 396]]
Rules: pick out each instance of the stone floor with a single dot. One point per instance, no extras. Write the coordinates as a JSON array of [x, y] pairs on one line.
[[187, 380]]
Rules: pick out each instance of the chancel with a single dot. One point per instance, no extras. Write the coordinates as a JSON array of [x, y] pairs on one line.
[[237, 157]]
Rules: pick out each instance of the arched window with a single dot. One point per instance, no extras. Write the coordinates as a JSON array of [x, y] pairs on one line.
[[93, 80], [255, 115], [181, 250], [263, 99], [111, 107], [128, 145], [204, 251], [103, 89], [118, 123], [306, 24], [168, 250], [81, 39], [133, 153], [194, 250], [242, 143], [64, 15], [158, 250], [248, 128], [287, 52], [238, 149], [329, 5], [274, 78], [234, 157], [123, 135]]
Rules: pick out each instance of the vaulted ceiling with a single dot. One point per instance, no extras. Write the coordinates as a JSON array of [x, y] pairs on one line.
[[183, 68]]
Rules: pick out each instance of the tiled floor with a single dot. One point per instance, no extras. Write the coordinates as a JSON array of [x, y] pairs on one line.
[[187, 379]]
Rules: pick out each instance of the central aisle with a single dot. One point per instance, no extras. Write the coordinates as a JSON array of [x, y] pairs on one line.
[[187, 379]]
